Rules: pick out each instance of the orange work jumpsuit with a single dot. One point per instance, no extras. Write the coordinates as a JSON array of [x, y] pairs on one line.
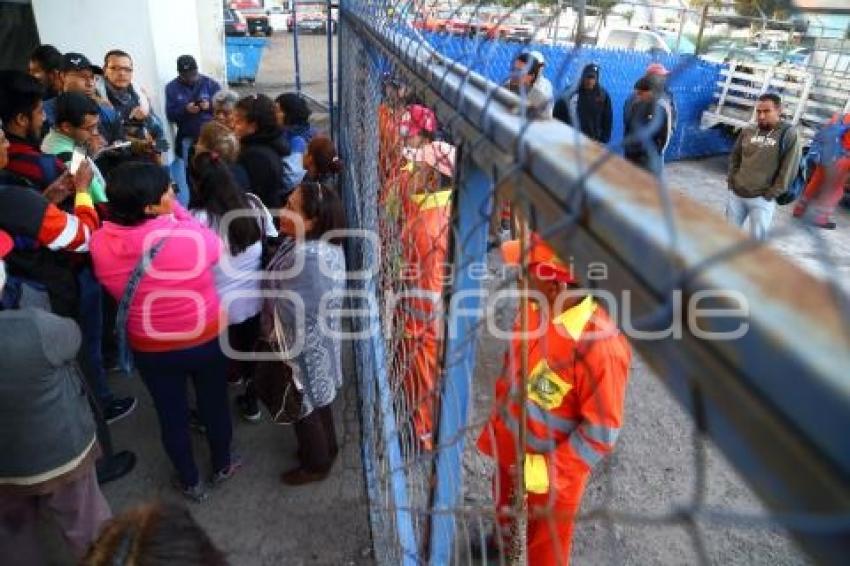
[[424, 247], [578, 370], [389, 148], [826, 188]]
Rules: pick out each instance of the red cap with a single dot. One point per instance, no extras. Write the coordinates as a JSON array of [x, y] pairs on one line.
[[657, 69], [417, 119], [542, 259], [6, 244]]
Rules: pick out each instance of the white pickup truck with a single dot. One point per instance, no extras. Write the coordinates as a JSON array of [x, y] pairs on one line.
[[639, 39]]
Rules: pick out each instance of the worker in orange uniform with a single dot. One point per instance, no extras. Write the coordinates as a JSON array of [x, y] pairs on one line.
[[390, 112], [578, 367], [826, 186], [425, 192]]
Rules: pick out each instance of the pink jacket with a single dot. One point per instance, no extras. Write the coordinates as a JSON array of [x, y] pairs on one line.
[[176, 305]]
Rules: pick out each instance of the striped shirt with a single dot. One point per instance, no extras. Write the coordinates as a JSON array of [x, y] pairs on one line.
[[28, 217], [71, 232]]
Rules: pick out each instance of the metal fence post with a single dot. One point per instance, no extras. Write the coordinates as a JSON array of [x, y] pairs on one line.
[[329, 29], [295, 46], [470, 245]]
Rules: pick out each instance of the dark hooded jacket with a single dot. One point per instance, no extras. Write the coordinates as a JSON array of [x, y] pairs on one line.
[[639, 115], [260, 156], [591, 106]]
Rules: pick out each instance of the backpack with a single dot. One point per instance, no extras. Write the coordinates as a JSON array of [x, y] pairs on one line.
[[827, 146], [798, 182]]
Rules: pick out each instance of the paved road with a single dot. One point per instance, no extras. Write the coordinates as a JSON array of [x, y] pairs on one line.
[[277, 67], [655, 467], [254, 518]]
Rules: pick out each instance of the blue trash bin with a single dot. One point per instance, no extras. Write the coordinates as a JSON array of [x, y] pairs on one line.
[[243, 58]]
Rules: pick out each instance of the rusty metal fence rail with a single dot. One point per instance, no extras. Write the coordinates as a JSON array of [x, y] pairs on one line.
[[754, 349]]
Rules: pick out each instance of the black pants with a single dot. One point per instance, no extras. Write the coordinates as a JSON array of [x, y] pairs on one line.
[[242, 338], [110, 342], [317, 447], [166, 374]]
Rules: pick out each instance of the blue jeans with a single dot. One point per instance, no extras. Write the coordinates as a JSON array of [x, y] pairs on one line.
[[164, 374], [179, 171], [91, 326], [757, 209]]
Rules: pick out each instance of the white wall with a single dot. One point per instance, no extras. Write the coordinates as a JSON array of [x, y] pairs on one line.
[[211, 32], [154, 32]]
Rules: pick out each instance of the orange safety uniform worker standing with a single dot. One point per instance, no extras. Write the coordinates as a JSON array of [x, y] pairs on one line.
[[425, 186], [578, 364], [826, 187], [390, 113]]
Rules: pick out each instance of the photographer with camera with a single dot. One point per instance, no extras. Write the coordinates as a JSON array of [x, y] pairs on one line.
[[133, 105]]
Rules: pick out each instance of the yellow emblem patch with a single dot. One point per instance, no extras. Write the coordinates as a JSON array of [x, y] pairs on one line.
[[546, 388]]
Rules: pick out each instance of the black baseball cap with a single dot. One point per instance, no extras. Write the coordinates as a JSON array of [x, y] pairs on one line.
[[591, 70], [643, 84], [78, 62], [186, 64]]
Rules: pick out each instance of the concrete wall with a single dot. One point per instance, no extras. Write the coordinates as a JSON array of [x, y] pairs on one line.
[[211, 35], [154, 32]]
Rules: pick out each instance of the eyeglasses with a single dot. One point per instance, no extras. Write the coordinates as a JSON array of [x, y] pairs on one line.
[[120, 69]]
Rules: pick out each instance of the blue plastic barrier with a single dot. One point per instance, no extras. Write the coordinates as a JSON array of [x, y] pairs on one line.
[[243, 58], [692, 82]]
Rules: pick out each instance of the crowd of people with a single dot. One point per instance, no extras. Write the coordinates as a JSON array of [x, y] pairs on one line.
[[112, 261], [766, 165]]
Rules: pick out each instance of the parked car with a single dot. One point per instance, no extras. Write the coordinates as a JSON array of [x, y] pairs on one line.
[[463, 18], [277, 18], [435, 21], [258, 21], [314, 22], [234, 23], [518, 28]]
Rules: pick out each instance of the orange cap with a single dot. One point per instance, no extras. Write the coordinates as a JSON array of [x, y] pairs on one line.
[[542, 259]]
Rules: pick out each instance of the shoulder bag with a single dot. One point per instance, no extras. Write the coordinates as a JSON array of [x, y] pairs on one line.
[[125, 358]]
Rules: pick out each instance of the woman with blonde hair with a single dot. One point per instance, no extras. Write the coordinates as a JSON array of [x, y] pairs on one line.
[[221, 141]]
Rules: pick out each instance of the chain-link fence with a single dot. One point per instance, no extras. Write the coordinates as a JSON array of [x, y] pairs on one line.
[[506, 420]]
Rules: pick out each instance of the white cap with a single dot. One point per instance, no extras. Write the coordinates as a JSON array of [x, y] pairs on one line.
[[538, 56]]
